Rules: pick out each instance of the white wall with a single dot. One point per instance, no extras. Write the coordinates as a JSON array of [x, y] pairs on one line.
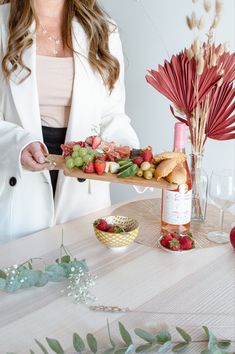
[[149, 36]]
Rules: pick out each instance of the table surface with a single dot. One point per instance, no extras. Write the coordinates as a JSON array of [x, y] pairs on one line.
[[140, 277]]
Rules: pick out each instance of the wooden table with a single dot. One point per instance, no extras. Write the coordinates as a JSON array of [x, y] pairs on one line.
[[141, 278]]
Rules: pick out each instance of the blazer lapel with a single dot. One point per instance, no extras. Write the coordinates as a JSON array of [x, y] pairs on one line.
[[25, 94]]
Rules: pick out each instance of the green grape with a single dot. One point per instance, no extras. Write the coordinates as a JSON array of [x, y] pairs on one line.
[[68, 157], [75, 154], [82, 152], [93, 152], [78, 161], [70, 163], [76, 147], [88, 158]]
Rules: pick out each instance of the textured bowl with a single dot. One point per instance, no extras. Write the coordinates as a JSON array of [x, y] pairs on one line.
[[122, 239]]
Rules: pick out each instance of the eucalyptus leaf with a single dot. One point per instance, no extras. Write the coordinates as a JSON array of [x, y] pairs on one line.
[[55, 346], [2, 283], [55, 272], [130, 349], [73, 266], [2, 274], [163, 337], [125, 334], [65, 259], [41, 346], [42, 279], [92, 343], [206, 331], [180, 347], [212, 342], [109, 334], [143, 348], [30, 265], [12, 285], [165, 347], [184, 334], [148, 337], [224, 344], [28, 277], [78, 343], [121, 350]]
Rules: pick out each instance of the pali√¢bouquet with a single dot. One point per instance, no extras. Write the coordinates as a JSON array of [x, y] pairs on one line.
[[199, 81]]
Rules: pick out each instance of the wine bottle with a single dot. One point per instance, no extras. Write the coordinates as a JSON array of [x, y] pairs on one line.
[[176, 205]]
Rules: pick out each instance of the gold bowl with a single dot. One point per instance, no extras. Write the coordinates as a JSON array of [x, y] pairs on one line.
[[122, 239]]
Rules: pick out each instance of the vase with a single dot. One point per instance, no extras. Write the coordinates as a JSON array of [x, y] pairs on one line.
[[199, 188]]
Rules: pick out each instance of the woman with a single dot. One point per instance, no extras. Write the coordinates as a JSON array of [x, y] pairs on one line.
[[61, 73]]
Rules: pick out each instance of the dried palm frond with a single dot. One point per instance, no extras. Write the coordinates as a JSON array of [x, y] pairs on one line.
[[221, 118], [175, 81]]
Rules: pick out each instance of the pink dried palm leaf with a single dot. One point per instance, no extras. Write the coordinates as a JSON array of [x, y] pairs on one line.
[[226, 62], [221, 119], [176, 81]]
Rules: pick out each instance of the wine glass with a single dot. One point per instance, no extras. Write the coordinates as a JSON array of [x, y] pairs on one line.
[[222, 193]]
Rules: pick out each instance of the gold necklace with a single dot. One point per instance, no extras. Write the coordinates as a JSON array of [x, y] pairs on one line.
[[53, 39]]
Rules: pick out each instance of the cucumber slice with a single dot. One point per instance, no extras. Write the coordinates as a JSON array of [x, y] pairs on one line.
[[130, 171], [123, 162], [124, 167]]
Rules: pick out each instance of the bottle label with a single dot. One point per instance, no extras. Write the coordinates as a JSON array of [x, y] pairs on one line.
[[177, 207]]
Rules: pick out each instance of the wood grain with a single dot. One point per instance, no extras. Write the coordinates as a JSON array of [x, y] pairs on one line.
[[109, 177], [141, 278]]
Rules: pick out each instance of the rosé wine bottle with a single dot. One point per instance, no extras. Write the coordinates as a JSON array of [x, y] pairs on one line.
[[176, 205]]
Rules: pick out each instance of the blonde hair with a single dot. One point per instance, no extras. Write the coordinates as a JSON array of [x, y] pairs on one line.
[[91, 17]]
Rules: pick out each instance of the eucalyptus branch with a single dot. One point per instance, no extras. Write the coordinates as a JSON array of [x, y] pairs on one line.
[[160, 342]]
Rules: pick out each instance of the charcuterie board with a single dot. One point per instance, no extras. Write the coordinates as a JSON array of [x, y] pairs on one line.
[[59, 163]]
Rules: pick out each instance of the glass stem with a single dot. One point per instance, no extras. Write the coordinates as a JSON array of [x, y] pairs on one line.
[[221, 220]]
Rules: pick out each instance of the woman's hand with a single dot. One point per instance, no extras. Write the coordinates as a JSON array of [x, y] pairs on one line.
[[33, 157]]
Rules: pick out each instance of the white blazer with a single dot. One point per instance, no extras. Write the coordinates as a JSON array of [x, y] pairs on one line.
[[26, 198]]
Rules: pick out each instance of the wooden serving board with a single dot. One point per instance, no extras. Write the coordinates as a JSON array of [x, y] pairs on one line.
[[59, 162]]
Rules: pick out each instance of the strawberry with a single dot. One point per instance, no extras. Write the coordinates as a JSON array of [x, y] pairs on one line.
[[138, 160], [89, 168], [166, 239], [96, 141], [174, 244], [89, 140], [147, 155], [101, 224], [186, 243], [100, 167], [114, 229]]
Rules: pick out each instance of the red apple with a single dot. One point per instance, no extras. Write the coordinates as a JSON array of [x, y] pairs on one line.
[[232, 237]]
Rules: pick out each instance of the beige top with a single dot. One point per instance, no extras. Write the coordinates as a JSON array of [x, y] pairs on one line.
[[55, 85]]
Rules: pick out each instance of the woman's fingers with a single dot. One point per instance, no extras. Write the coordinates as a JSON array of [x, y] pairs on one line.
[[36, 151], [30, 164], [33, 158]]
